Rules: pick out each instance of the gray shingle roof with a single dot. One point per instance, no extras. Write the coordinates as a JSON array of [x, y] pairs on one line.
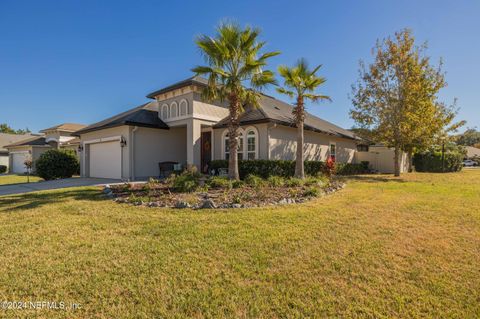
[[276, 111], [7, 139], [66, 127], [193, 80], [134, 117], [32, 141]]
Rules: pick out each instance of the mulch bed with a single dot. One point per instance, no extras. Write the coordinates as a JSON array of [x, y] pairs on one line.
[[161, 195]]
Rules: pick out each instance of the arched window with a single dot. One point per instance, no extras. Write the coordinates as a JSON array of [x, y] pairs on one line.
[[226, 145], [173, 109], [183, 107], [164, 111], [252, 144]]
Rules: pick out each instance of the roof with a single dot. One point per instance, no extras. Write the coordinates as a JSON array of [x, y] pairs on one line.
[[66, 127], [73, 141], [276, 111], [7, 139], [472, 151], [32, 141], [134, 117], [193, 80]]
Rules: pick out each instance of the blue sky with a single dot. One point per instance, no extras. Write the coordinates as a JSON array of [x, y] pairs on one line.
[[82, 61]]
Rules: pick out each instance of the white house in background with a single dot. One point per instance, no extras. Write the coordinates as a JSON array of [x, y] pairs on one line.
[[179, 126], [31, 147]]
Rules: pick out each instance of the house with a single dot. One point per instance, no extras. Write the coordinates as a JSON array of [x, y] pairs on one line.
[[472, 152], [6, 139], [179, 126], [59, 136], [381, 158]]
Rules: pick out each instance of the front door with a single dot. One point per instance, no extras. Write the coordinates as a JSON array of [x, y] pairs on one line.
[[206, 151]]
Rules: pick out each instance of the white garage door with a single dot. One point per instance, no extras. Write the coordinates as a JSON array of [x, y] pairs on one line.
[[18, 163], [105, 160]]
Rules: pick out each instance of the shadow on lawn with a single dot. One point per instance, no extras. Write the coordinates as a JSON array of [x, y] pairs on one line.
[[34, 200], [373, 178]]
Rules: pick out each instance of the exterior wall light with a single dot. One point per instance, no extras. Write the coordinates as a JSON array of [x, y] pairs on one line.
[[80, 148], [123, 142]]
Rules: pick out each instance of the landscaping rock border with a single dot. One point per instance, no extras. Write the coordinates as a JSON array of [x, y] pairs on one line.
[[209, 203]]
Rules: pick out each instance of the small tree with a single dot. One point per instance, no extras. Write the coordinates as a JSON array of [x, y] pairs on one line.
[[300, 83], [397, 97], [28, 165], [234, 58]]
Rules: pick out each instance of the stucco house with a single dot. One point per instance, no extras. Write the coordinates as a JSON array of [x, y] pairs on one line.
[[179, 126], [6, 139], [59, 136]]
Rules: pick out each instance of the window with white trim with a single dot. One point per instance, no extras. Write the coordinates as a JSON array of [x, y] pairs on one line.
[[251, 145], [183, 107], [240, 146], [164, 111], [333, 151], [173, 109]]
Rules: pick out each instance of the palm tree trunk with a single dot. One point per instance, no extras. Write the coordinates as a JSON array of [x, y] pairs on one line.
[[299, 116], [396, 160], [233, 125]]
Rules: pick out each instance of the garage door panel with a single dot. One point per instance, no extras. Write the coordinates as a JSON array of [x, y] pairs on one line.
[[18, 163], [105, 160]]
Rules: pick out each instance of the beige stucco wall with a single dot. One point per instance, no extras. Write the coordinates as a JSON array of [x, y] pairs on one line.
[[4, 160], [381, 159], [106, 133], [152, 146], [283, 145]]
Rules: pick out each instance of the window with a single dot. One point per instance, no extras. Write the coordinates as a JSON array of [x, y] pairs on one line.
[[251, 145], [173, 109], [362, 148], [164, 111], [333, 151], [226, 146], [183, 107]]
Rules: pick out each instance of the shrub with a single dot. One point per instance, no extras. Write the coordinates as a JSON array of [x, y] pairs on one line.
[[276, 181], [254, 181], [186, 182], [237, 184], [431, 161], [219, 182], [293, 182], [315, 181], [311, 192], [3, 169], [267, 168], [54, 164]]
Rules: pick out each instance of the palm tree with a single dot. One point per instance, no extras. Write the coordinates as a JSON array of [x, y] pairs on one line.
[[300, 83], [233, 59]]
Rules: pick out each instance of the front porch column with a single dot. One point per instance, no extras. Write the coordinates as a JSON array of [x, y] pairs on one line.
[[194, 131]]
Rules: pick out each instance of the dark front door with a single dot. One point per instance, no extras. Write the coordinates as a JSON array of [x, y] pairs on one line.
[[206, 150]]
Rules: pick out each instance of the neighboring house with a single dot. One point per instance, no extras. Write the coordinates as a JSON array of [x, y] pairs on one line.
[[380, 158], [472, 152], [59, 136], [180, 126], [6, 139]]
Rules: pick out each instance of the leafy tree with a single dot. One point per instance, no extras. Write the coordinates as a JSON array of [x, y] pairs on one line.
[[364, 133], [397, 97], [233, 58], [300, 83], [469, 138], [5, 128]]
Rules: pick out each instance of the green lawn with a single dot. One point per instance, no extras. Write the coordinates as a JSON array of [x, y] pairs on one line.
[[16, 179], [382, 247]]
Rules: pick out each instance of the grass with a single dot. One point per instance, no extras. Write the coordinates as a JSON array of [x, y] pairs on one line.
[[16, 179], [380, 248]]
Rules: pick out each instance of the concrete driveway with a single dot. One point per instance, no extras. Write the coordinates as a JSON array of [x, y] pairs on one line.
[[13, 189]]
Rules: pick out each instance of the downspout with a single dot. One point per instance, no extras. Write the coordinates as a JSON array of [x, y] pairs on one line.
[[132, 153]]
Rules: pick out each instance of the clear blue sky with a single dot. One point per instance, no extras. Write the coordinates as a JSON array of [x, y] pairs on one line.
[[82, 61]]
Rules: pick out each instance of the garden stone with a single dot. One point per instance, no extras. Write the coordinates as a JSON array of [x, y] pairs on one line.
[[206, 204], [236, 206], [182, 204], [283, 201]]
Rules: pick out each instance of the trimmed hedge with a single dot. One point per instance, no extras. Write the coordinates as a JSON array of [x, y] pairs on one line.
[[267, 168], [54, 164], [3, 169], [432, 162]]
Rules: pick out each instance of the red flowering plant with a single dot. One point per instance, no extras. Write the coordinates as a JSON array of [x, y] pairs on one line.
[[330, 166]]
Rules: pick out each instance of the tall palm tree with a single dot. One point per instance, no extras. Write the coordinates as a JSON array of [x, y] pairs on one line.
[[301, 83], [234, 59]]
